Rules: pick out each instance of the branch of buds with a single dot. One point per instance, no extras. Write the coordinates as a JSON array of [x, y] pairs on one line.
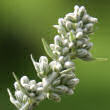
[[58, 76]]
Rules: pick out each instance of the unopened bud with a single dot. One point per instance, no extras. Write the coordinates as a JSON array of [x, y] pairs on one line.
[[55, 66], [79, 34], [81, 11], [25, 98], [70, 92], [55, 97], [17, 86], [69, 64], [24, 80], [68, 25], [71, 44], [61, 59], [93, 20], [65, 50], [82, 52], [57, 39], [61, 21], [61, 89], [19, 95]]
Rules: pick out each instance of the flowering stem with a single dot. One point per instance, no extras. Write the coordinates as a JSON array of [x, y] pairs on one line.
[[57, 76]]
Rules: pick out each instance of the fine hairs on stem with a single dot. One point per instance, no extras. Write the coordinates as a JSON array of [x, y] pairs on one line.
[[57, 76]]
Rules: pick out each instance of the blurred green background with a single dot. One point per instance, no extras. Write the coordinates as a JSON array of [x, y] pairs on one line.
[[22, 25]]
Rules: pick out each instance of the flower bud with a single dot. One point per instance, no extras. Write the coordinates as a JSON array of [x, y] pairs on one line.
[[85, 18], [26, 86], [43, 59], [76, 81], [25, 98], [71, 45], [79, 43], [65, 50], [17, 86], [81, 11], [57, 48], [79, 34], [67, 57], [33, 87], [56, 82], [69, 17], [85, 30], [61, 89], [89, 27], [76, 8], [61, 59], [88, 57], [57, 39], [19, 95], [88, 45], [52, 46], [69, 64], [44, 67], [65, 42], [39, 89], [32, 82], [32, 94], [39, 84], [73, 82], [82, 53], [55, 66], [61, 21], [68, 25], [40, 98], [93, 20], [55, 97], [80, 24], [61, 29], [24, 80], [79, 30], [70, 92], [66, 77], [56, 52]]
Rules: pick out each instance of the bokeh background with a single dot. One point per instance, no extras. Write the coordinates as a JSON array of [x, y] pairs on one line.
[[22, 25]]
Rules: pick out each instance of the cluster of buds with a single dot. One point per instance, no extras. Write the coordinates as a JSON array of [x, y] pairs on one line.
[[27, 93], [57, 76], [75, 29]]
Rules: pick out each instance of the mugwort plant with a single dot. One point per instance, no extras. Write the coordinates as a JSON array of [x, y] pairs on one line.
[[57, 76]]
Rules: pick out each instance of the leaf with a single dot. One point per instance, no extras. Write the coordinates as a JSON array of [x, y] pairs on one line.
[[10, 94], [72, 37], [67, 70], [95, 59], [48, 49], [101, 59]]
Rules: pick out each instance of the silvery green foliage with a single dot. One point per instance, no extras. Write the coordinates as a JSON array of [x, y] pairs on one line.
[[58, 76]]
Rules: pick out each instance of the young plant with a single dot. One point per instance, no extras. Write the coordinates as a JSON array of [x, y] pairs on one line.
[[58, 76]]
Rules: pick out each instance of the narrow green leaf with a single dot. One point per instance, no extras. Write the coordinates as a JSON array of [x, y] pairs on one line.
[[72, 37], [67, 70], [95, 59], [101, 59], [48, 49], [9, 92]]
